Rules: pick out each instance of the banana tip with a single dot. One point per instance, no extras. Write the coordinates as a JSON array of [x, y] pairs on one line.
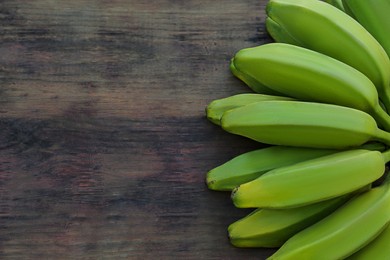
[[233, 196], [214, 119], [210, 184], [212, 115], [232, 66], [237, 198]]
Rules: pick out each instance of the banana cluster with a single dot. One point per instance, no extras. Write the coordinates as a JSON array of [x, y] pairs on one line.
[[320, 103]]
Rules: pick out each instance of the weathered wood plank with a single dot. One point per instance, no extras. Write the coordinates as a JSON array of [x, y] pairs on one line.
[[103, 144]]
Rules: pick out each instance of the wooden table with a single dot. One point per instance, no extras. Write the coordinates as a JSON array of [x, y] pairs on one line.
[[104, 144]]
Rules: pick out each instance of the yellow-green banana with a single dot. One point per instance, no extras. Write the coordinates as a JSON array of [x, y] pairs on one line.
[[252, 83], [336, 3], [310, 76], [312, 180], [374, 16], [323, 28], [343, 232], [378, 249], [272, 227], [251, 165], [278, 33], [303, 124], [217, 107]]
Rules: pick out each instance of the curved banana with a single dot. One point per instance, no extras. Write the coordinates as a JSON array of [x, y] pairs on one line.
[[312, 180], [278, 33], [217, 107], [251, 165], [374, 16], [378, 249], [303, 124], [311, 76], [343, 232], [336, 3], [323, 28], [252, 83], [272, 227]]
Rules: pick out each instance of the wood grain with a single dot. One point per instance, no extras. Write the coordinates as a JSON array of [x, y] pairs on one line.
[[103, 144]]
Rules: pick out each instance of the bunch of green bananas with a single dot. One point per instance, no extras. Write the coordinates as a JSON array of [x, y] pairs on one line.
[[320, 189]]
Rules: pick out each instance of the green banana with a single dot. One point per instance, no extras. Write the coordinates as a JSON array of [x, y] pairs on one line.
[[336, 3], [278, 33], [217, 107], [252, 83], [343, 232], [248, 166], [378, 249], [311, 76], [251, 165], [303, 124], [323, 28], [312, 180], [374, 16], [272, 227]]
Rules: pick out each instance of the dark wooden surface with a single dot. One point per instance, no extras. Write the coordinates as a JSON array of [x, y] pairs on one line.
[[104, 145]]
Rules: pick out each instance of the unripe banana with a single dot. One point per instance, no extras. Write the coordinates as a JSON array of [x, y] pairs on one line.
[[336, 3], [251, 165], [312, 180], [346, 230], [374, 16], [252, 83], [217, 107], [310, 76], [272, 227], [278, 33], [378, 249], [323, 28], [303, 124]]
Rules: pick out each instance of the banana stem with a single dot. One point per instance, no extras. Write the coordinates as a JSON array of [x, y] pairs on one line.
[[382, 117], [382, 136], [386, 155], [385, 98]]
